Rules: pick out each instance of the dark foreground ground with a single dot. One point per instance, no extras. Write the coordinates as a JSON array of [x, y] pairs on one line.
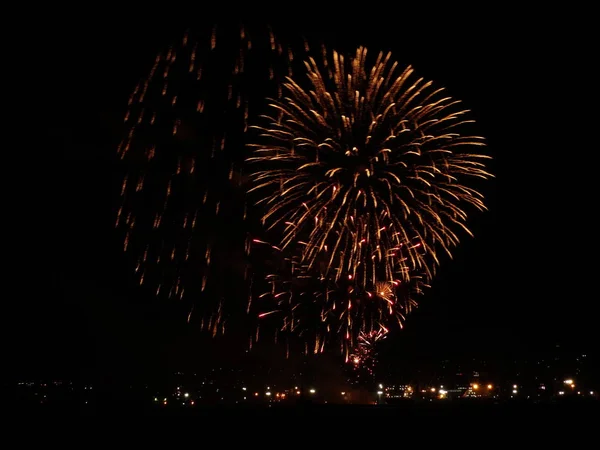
[[470, 425], [451, 410]]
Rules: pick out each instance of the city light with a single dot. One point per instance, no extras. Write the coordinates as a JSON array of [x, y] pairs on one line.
[[539, 388]]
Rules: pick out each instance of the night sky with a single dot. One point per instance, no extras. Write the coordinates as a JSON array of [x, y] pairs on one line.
[[523, 284]]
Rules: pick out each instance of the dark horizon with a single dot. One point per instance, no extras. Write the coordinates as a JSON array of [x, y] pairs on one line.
[[519, 287]]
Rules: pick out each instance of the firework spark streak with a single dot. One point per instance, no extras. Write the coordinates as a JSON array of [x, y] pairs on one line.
[[365, 168]]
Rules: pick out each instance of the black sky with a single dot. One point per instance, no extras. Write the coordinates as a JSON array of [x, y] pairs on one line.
[[524, 282]]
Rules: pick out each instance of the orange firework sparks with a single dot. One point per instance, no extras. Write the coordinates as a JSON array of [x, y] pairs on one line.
[[321, 311], [367, 167], [181, 218]]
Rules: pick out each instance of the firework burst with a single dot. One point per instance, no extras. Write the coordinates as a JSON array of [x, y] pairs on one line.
[[300, 302], [366, 168], [364, 357], [181, 207]]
